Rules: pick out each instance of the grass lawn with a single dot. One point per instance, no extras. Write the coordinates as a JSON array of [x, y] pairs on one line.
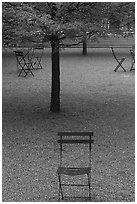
[[93, 98]]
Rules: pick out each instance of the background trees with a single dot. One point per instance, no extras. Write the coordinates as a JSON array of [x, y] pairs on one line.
[[55, 22]]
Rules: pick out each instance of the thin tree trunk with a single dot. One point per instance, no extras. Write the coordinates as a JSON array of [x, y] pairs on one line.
[[84, 52], [55, 88]]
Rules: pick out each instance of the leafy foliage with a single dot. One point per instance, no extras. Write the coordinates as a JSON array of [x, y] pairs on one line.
[[38, 21]]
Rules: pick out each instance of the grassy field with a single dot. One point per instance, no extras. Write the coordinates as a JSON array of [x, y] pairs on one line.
[[93, 98]]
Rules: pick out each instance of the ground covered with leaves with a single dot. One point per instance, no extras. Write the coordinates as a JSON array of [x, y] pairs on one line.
[[93, 98]]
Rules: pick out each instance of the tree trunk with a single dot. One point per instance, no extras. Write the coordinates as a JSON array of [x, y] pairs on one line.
[[84, 52], [55, 88]]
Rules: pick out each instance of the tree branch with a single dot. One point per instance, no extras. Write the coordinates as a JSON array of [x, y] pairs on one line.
[[75, 44], [90, 34], [69, 45]]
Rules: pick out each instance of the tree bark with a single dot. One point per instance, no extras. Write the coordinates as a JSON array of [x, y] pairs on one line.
[[55, 87]]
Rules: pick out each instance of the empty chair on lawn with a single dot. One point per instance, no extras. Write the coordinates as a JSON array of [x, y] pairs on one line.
[[119, 60], [133, 60], [24, 63], [37, 57], [75, 160]]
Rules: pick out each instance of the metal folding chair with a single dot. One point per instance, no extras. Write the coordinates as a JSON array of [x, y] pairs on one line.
[[133, 60], [76, 168], [119, 60], [37, 57], [24, 64]]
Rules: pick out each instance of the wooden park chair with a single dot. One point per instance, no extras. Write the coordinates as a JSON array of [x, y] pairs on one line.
[[75, 139], [24, 63], [119, 61], [133, 60]]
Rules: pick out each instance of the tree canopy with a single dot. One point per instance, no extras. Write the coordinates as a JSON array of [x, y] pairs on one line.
[[40, 20]]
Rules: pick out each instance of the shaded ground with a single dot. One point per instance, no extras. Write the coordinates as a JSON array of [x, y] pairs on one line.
[[93, 98]]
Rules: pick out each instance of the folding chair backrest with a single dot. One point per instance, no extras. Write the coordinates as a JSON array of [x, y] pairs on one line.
[[38, 52], [132, 53], [30, 53], [19, 56], [19, 53], [65, 139]]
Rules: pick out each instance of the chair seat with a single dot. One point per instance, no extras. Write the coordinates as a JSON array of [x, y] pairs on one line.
[[122, 58], [73, 171]]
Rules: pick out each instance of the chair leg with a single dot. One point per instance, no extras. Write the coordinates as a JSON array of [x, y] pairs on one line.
[[21, 72], [89, 186], [120, 65], [39, 63], [132, 66], [60, 188], [29, 70]]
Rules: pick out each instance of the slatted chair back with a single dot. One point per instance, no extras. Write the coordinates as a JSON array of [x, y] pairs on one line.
[[132, 53], [37, 57], [78, 138], [30, 54]]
